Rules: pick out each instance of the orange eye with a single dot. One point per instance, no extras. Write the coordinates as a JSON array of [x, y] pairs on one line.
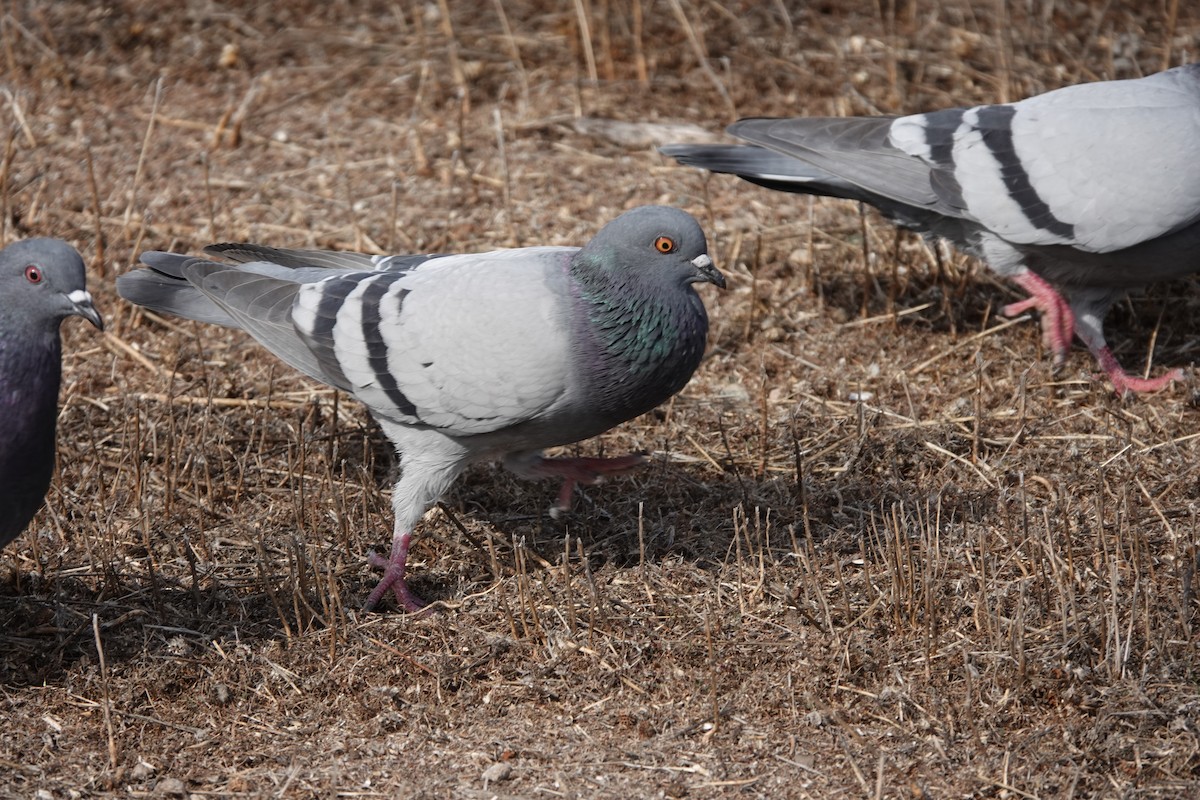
[[664, 244], [34, 275]]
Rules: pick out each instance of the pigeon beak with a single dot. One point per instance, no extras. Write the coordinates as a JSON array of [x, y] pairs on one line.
[[706, 272], [81, 303]]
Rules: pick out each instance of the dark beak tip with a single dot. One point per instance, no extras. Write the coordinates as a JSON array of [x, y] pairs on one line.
[[710, 274], [90, 313]]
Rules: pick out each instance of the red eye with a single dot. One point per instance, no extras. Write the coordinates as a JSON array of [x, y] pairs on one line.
[[664, 244], [33, 274]]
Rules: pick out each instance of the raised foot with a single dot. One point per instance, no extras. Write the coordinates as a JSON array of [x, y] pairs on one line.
[[1124, 383], [1058, 321], [393, 578], [586, 471]]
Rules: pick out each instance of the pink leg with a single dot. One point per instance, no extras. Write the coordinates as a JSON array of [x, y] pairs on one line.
[[393, 577], [1124, 383], [579, 470], [1059, 325], [1058, 322]]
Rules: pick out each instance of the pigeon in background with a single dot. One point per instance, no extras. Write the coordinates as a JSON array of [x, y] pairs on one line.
[[468, 357], [41, 283], [1076, 195]]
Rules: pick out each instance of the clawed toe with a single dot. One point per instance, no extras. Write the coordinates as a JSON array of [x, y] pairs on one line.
[[1124, 383], [393, 581], [1058, 320], [393, 577]]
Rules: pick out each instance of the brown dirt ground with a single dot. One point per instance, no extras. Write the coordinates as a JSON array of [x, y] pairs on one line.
[[978, 581]]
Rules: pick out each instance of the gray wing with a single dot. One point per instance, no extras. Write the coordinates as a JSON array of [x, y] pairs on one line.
[[467, 344], [243, 253], [255, 297], [164, 287], [1099, 167]]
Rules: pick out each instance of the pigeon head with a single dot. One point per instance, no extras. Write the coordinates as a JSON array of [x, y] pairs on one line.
[[43, 283], [641, 326], [653, 247]]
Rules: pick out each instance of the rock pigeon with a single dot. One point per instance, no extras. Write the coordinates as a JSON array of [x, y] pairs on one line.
[[41, 283], [468, 357], [1077, 195]]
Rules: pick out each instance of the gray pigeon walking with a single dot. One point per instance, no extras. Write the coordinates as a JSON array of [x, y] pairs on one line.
[[1077, 195], [468, 357], [41, 283]]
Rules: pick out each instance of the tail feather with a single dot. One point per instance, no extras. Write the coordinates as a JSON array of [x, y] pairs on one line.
[[261, 305], [786, 173], [256, 293], [855, 149], [164, 289], [256, 297]]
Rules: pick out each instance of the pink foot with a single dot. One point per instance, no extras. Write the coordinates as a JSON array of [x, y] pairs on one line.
[[1058, 321], [393, 577], [1124, 383], [580, 470]]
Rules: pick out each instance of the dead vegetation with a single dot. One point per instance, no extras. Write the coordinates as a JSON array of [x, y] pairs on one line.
[[881, 552]]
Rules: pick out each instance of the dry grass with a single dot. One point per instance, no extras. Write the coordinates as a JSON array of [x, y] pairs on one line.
[[883, 552]]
